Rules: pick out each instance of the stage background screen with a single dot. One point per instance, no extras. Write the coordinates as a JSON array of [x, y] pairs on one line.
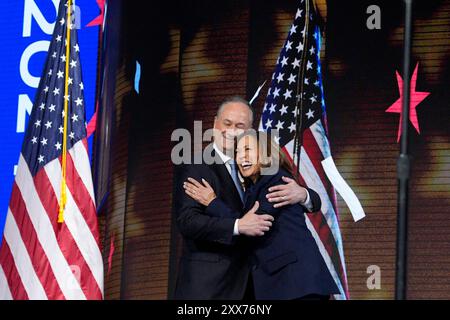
[[194, 53]]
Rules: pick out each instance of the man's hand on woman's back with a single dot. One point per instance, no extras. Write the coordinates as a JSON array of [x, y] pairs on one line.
[[252, 224]]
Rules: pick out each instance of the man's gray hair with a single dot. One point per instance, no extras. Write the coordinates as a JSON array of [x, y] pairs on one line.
[[236, 99]]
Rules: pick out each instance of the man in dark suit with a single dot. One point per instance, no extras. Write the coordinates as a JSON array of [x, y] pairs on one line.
[[214, 264]]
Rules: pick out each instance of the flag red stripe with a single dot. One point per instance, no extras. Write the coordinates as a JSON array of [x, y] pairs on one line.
[[328, 186], [85, 144], [97, 234], [34, 248], [315, 155], [15, 284], [66, 241], [326, 236], [324, 232], [82, 197]]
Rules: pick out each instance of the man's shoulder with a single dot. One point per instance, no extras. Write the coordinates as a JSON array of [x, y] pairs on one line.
[[192, 167], [197, 165], [200, 160]]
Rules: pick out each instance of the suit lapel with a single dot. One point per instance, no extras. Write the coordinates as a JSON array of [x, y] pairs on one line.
[[229, 192]]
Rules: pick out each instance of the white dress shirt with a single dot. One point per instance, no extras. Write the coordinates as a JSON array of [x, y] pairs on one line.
[[225, 159]]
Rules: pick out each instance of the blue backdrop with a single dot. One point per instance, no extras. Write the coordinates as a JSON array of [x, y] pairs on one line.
[[25, 29]]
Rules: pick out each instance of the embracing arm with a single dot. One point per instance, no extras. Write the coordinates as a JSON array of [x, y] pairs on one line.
[[314, 201], [191, 219], [251, 224], [291, 192]]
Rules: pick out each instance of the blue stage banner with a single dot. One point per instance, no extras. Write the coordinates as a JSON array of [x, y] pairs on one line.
[[26, 28]]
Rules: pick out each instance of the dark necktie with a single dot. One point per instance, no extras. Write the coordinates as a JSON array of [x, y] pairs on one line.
[[235, 177]]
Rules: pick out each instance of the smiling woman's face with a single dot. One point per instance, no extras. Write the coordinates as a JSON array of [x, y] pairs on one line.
[[247, 157]]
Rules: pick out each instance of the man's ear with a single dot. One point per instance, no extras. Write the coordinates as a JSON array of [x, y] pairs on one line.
[[215, 120]]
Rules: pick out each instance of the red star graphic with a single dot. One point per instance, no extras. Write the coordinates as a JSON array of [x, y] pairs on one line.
[[98, 20], [416, 98]]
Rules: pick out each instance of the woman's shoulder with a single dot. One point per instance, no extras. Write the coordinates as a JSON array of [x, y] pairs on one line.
[[274, 178], [261, 189], [284, 173]]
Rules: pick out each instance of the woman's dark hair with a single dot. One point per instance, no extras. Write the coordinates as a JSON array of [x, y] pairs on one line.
[[268, 152]]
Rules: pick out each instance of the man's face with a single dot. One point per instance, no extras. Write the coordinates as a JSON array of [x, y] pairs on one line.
[[234, 119]]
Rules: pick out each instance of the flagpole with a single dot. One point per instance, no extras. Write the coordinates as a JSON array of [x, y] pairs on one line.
[[63, 199], [403, 164]]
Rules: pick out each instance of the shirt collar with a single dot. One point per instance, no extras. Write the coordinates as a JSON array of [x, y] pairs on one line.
[[222, 155], [225, 159]]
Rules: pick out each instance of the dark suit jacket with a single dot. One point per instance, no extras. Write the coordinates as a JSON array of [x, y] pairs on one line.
[[286, 262], [212, 264]]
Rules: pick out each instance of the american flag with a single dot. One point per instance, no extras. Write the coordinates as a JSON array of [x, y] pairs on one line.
[[295, 107], [41, 258]]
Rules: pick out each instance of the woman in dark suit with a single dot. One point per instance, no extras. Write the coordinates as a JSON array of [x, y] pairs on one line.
[[286, 262]]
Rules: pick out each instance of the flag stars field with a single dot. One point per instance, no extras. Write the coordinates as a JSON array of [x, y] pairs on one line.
[[301, 110]]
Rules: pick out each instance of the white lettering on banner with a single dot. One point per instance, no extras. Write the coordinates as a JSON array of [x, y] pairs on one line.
[[33, 48], [31, 12], [24, 108], [31, 9]]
